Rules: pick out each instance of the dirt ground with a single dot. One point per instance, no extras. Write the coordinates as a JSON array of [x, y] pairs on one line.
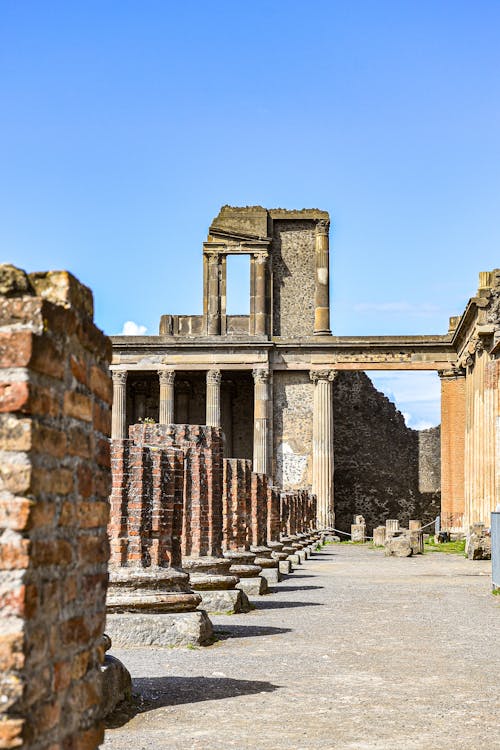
[[354, 651]]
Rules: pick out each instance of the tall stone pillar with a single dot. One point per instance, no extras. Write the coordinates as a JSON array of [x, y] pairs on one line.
[[213, 417], [260, 294], [322, 281], [213, 302], [166, 412], [452, 448], [322, 484], [119, 411], [261, 422]]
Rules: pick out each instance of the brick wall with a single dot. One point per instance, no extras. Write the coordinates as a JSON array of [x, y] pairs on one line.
[[273, 514], [55, 396], [202, 447], [236, 503], [258, 523], [146, 505]]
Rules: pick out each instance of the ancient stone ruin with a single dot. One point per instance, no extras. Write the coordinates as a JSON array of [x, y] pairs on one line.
[[265, 434]]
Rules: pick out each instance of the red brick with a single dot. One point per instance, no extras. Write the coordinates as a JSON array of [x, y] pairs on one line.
[[13, 397], [78, 406]]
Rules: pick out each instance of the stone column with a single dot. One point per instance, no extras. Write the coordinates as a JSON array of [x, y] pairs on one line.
[[260, 294], [166, 412], [213, 302], [322, 484], [261, 421], [452, 448], [213, 416], [322, 284], [119, 411]]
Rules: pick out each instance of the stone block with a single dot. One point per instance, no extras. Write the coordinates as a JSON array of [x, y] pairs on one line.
[[230, 601], [398, 546], [285, 567], [272, 575], [253, 586], [160, 630]]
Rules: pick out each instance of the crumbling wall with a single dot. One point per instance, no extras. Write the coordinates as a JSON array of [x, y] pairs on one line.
[[293, 394], [55, 396], [293, 268], [383, 469]]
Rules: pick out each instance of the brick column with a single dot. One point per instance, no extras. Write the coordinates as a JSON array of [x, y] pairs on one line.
[[452, 448], [322, 282], [322, 484], [119, 411], [261, 463], [167, 396], [202, 446], [213, 417], [55, 399]]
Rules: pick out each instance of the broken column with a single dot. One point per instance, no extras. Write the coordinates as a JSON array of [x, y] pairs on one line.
[[273, 529], [55, 396], [391, 527], [416, 537], [202, 446], [379, 536], [258, 526], [358, 529], [237, 513], [149, 598]]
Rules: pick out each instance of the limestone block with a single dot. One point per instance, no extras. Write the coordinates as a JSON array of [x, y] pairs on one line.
[[253, 586], [358, 531], [272, 575], [169, 629], [379, 536], [398, 546], [285, 567], [233, 601]]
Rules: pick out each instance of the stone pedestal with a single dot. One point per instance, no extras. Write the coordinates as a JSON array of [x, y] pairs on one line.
[[243, 565], [213, 580], [358, 532], [416, 537], [291, 551], [379, 536], [270, 567], [164, 630]]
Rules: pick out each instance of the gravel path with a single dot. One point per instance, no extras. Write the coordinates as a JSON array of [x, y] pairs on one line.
[[354, 651]]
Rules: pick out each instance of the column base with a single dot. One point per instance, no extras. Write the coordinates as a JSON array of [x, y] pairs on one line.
[[209, 573], [253, 586], [163, 630], [229, 602], [285, 567], [150, 590], [272, 575]]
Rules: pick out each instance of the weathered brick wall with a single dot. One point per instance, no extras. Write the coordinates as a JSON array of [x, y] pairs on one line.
[[258, 521], [146, 505], [273, 514], [236, 503], [55, 396], [377, 458], [202, 447], [293, 267]]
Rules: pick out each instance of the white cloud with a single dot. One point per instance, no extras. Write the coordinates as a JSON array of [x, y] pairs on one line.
[[133, 329]]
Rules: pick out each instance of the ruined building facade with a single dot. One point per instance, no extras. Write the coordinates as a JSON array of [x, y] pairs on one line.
[[292, 397]]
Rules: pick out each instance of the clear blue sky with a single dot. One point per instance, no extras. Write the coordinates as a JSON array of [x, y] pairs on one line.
[[126, 125]]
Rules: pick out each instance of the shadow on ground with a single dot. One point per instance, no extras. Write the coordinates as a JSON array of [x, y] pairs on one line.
[[247, 631], [283, 605], [150, 693], [278, 589]]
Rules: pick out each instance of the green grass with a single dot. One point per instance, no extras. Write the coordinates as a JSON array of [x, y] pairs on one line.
[[496, 592], [451, 548]]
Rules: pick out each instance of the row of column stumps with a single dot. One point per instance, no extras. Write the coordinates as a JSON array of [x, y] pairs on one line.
[[322, 483]]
